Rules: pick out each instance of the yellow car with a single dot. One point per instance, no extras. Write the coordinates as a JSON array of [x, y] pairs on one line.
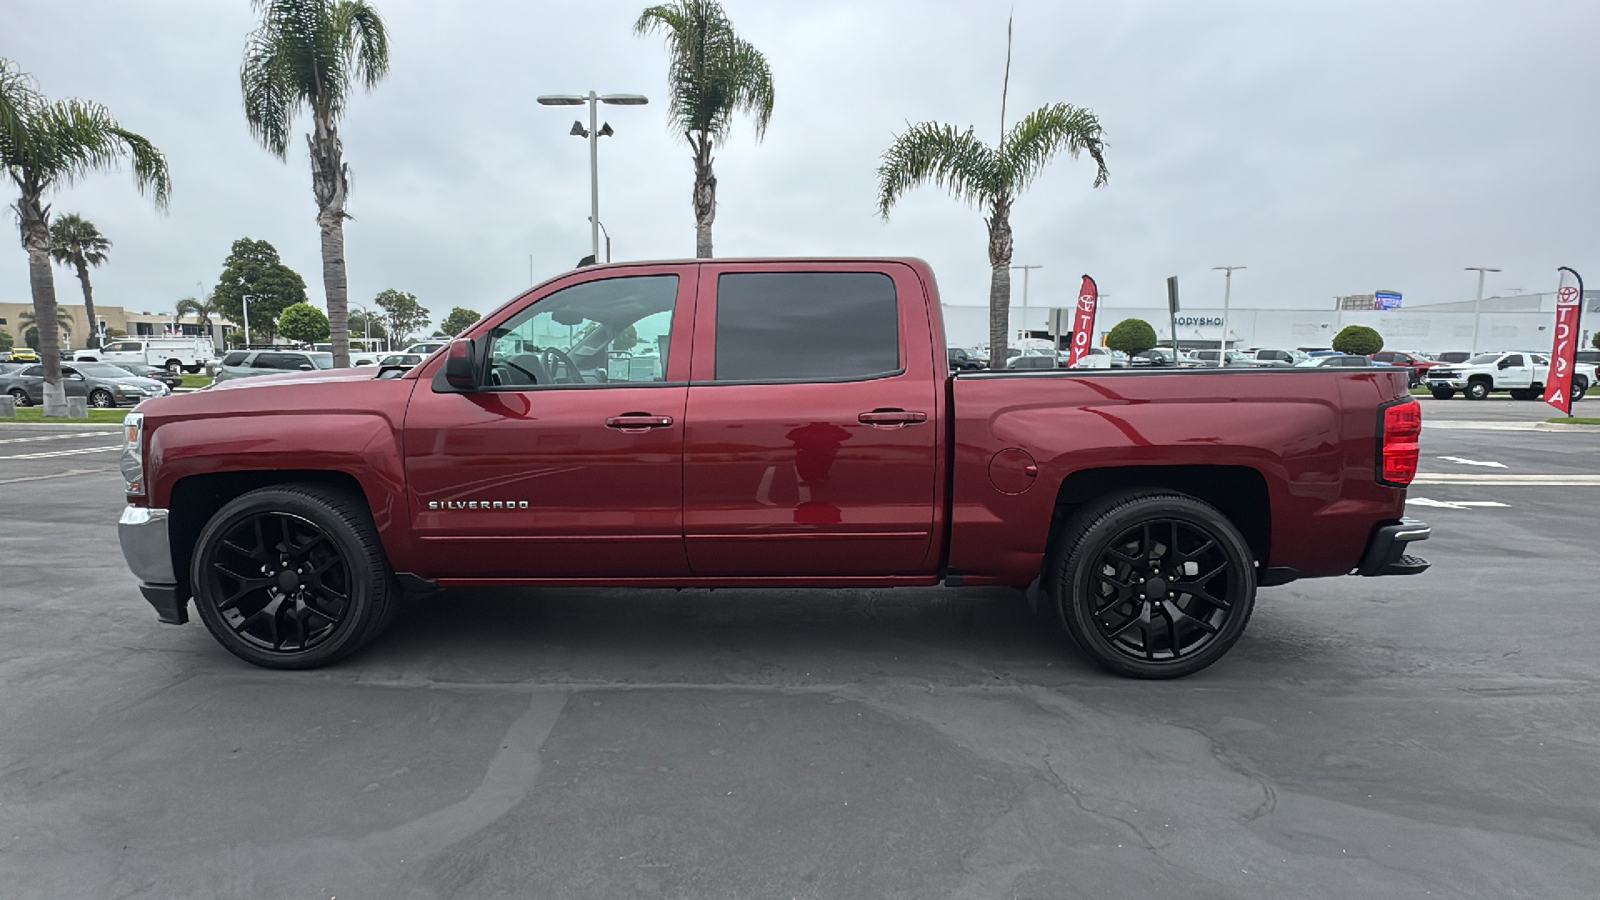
[[24, 354]]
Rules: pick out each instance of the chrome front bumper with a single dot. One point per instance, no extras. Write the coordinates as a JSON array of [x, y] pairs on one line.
[[143, 535]]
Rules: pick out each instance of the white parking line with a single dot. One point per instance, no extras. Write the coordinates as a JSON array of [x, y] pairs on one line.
[[51, 454], [58, 437], [1473, 462], [1507, 480], [1455, 504], [67, 474]]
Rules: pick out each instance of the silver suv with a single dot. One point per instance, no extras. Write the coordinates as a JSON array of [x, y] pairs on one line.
[[247, 363]]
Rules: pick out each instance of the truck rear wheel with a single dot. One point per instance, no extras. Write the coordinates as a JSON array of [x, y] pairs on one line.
[[1152, 584], [292, 576], [1580, 387]]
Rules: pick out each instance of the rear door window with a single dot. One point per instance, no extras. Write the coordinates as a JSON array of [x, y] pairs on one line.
[[267, 361], [236, 358], [806, 326]]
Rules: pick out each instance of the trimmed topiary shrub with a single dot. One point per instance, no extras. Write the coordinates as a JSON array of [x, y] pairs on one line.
[[1131, 336], [1359, 340]]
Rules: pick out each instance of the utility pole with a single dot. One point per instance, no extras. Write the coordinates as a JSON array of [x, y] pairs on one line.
[[1025, 270], [1477, 307], [593, 133], [1227, 291]]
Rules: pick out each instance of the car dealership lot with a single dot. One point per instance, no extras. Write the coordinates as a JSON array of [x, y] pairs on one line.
[[1397, 737]]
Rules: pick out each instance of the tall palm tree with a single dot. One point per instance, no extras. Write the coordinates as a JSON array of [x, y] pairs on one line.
[[44, 145], [75, 242], [310, 55], [202, 308], [990, 177], [712, 74]]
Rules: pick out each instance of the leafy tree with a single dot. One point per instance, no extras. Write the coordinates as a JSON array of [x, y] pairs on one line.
[[458, 320], [304, 323], [6, 340], [310, 55], [44, 145], [990, 177], [368, 324], [1358, 340], [1596, 340], [253, 273], [404, 313], [712, 73], [1131, 336], [76, 242], [113, 332]]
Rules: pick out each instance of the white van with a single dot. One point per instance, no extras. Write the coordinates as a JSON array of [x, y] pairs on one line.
[[189, 354]]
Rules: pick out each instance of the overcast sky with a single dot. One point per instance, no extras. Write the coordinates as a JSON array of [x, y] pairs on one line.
[[1331, 147]]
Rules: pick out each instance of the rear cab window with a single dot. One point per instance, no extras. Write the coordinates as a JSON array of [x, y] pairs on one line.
[[806, 326]]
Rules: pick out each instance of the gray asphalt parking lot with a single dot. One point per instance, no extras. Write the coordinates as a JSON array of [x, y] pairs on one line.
[[1403, 737]]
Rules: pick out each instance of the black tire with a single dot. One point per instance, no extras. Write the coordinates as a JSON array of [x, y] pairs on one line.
[[102, 399], [333, 571], [1477, 390], [1440, 393], [1105, 565], [21, 397], [192, 370], [1522, 394], [175, 367], [1580, 387]]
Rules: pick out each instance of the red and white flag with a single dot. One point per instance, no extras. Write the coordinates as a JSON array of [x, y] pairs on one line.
[[1083, 321], [1569, 304]]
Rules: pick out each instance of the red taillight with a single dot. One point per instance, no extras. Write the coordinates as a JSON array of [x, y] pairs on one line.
[[1397, 442]]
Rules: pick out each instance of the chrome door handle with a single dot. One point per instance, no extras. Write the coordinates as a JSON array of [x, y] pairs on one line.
[[636, 422], [891, 417]]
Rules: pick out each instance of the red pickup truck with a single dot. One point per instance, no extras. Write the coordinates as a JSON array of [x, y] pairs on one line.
[[777, 423]]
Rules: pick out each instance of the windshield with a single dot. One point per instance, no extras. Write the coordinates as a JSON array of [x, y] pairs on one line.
[[1484, 359], [321, 360]]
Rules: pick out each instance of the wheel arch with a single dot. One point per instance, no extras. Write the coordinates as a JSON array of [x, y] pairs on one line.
[[1238, 492], [196, 498]]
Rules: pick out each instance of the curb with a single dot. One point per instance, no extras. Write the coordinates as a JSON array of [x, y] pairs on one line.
[[1562, 426]]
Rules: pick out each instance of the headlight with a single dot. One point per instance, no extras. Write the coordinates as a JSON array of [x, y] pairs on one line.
[[132, 463], [128, 387]]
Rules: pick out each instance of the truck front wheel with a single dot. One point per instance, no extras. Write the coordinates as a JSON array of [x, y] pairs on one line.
[[292, 576], [1442, 393], [1152, 585], [1477, 390]]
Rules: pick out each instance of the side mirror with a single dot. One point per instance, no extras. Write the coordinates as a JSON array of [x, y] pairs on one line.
[[1504, 364], [305, 367], [461, 365]]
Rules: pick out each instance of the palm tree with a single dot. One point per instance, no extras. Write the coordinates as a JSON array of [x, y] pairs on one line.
[[310, 55], [712, 74], [44, 145], [202, 309], [75, 242]]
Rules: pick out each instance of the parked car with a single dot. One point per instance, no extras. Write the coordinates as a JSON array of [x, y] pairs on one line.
[[1214, 357], [402, 361], [1155, 357], [1266, 357], [105, 385], [1589, 357], [425, 348], [1418, 363], [1453, 356], [249, 363], [176, 354], [1519, 373], [1035, 361], [960, 361], [823, 444], [23, 355], [359, 355], [157, 373], [1343, 361]]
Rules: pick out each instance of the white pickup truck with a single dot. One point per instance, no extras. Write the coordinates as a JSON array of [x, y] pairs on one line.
[[1520, 372], [188, 354]]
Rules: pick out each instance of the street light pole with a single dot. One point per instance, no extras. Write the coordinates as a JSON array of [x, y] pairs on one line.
[[1227, 293], [1477, 307], [1025, 301], [594, 133]]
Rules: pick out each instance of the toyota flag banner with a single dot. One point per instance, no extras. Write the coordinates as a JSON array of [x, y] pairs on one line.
[[1083, 321], [1569, 304]]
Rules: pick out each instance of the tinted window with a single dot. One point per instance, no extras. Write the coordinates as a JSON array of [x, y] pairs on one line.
[[267, 361], [34, 372], [1514, 361], [1386, 357], [789, 326], [236, 358], [293, 361]]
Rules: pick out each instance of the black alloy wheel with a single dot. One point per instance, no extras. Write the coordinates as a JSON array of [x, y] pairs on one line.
[[1477, 390], [21, 397], [292, 577], [102, 399], [1153, 585]]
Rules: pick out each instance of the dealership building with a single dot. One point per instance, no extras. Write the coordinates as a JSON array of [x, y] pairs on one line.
[[1520, 322]]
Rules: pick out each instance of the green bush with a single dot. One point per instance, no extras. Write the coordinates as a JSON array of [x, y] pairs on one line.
[[1358, 340], [1596, 341], [1131, 336]]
